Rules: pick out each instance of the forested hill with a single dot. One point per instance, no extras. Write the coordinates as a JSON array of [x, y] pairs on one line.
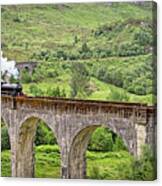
[[114, 41], [29, 30]]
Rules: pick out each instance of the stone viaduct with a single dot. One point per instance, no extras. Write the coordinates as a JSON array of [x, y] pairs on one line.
[[72, 122], [30, 66]]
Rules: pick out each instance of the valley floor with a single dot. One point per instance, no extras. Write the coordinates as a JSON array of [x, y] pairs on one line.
[[100, 165]]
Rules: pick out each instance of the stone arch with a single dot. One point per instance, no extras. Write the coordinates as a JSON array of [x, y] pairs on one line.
[[37, 117], [5, 117], [77, 161], [79, 143], [25, 145], [4, 121]]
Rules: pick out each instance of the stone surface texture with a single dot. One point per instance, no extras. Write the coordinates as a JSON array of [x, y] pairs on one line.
[[72, 122]]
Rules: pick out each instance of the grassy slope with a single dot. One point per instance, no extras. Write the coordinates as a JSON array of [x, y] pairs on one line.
[[103, 90], [51, 27], [107, 165], [27, 31]]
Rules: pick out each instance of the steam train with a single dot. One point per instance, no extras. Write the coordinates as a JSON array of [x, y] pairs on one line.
[[12, 89]]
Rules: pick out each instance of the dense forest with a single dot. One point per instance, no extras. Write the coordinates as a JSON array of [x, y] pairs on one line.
[[99, 51]]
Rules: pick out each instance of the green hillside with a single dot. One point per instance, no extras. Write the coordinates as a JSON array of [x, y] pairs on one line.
[[113, 43], [96, 51]]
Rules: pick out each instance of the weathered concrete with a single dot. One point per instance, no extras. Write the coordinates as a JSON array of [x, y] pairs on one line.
[[72, 122]]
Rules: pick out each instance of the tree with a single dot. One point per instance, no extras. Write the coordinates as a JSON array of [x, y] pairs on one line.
[[79, 80], [5, 143], [144, 168], [75, 39], [85, 52], [118, 95], [119, 144], [85, 47], [34, 90], [56, 92], [101, 140], [44, 135], [143, 38], [25, 76]]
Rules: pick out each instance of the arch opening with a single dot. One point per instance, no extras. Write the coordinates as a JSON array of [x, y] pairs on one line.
[[26, 68], [38, 154], [99, 153]]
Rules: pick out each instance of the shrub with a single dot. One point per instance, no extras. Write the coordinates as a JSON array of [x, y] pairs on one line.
[[57, 92], [102, 53], [143, 38], [95, 173], [118, 95], [119, 144], [25, 76], [34, 90], [86, 55], [44, 135], [84, 48], [75, 39], [5, 143], [73, 56], [101, 73], [103, 30], [48, 148], [61, 55], [101, 140], [79, 80], [85, 52], [52, 73], [17, 19], [105, 53], [44, 55], [130, 49], [144, 168]]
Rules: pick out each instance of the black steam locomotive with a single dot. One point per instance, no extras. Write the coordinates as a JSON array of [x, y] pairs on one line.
[[12, 89]]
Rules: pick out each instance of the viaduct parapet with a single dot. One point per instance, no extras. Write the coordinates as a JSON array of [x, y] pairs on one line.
[[73, 122]]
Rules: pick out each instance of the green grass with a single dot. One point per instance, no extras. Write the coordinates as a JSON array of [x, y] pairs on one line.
[[5, 163], [38, 33], [102, 91], [109, 165], [105, 91], [48, 163], [126, 67], [27, 30]]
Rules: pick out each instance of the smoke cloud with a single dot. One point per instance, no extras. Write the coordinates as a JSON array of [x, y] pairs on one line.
[[8, 68]]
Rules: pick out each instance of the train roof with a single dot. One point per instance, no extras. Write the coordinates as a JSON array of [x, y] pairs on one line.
[[10, 85]]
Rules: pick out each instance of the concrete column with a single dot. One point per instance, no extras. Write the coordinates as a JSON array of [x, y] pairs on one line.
[[73, 164], [141, 138], [64, 162], [22, 151], [13, 141], [77, 158]]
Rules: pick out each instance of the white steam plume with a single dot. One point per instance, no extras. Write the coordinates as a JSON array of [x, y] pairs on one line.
[[8, 68]]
